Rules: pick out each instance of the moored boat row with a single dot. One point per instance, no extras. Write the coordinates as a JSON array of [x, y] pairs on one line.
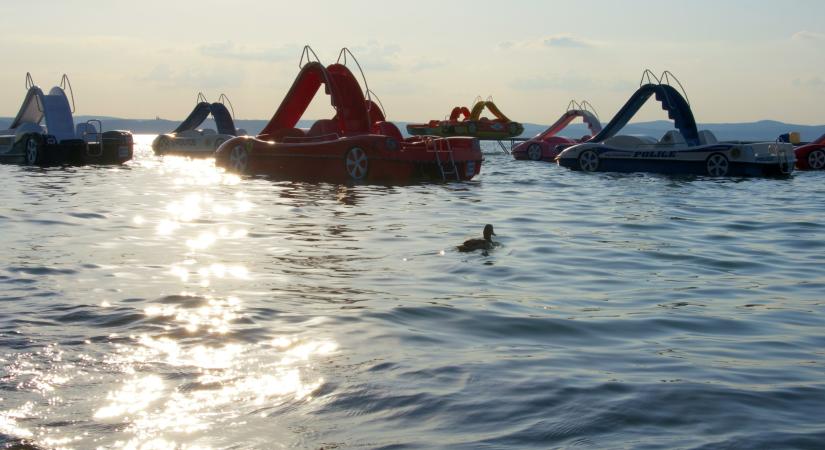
[[359, 144]]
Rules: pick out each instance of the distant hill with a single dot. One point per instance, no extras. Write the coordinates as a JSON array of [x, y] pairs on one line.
[[761, 130]]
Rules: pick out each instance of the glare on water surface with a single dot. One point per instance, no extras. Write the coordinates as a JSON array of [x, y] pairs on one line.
[[190, 374]]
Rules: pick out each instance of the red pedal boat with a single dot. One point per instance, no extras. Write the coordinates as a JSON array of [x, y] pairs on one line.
[[357, 144]]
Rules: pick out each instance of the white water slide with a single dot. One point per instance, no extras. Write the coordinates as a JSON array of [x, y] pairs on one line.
[[54, 107]]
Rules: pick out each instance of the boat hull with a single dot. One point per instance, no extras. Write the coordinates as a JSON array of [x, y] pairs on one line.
[[363, 158]]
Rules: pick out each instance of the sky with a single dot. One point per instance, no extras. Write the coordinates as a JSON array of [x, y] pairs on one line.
[[739, 61]]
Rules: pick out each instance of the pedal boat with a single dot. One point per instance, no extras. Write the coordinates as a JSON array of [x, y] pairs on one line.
[[465, 122], [190, 140], [44, 134], [547, 145], [685, 150], [357, 145]]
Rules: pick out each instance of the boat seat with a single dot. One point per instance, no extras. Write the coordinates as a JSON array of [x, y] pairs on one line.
[[282, 134], [27, 127], [627, 141], [673, 137], [387, 129], [323, 127], [707, 138], [87, 131]]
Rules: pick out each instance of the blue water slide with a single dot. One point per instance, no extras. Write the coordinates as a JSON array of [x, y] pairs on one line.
[[196, 117], [223, 119], [672, 101]]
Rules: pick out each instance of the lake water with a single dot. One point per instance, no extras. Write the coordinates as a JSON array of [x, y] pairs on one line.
[[164, 304]]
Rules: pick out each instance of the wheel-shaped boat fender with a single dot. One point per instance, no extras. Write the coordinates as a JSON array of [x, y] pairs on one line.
[[34, 150], [239, 158], [534, 151], [472, 128], [162, 145], [589, 161], [357, 163], [816, 160], [717, 165]]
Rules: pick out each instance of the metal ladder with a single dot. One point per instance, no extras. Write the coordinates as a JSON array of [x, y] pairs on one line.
[[98, 133], [784, 160], [446, 166]]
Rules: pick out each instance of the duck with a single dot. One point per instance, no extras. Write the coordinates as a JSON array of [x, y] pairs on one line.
[[487, 243]]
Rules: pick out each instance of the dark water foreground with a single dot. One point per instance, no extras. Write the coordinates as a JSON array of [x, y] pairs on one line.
[[165, 305]]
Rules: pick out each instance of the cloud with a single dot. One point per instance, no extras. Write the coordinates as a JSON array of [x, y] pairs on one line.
[[571, 82], [808, 36], [422, 65], [815, 82], [566, 42], [378, 57], [561, 41], [231, 51], [193, 77]]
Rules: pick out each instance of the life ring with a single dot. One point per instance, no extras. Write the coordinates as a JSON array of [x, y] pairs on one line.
[[357, 163]]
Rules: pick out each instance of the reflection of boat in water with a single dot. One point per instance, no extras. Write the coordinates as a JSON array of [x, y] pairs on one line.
[[685, 150], [59, 142], [357, 144], [465, 122], [189, 140], [547, 145]]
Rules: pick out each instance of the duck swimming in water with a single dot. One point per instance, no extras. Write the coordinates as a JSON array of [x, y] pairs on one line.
[[487, 243]]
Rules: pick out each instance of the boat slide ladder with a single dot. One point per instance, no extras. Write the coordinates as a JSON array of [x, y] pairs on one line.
[[98, 137], [446, 164], [30, 84], [785, 165], [223, 98], [308, 54], [66, 84], [664, 78], [344, 54], [380, 104], [587, 106]]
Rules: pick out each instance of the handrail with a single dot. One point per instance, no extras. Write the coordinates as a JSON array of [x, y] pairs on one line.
[[64, 82], [201, 98], [666, 76], [224, 97], [587, 106], [573, 105], [650, 77], [30, 84], [380, 105], [343, 53], [306, 53]]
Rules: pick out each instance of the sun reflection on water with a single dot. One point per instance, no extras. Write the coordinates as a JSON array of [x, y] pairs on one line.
[[225, 384]]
